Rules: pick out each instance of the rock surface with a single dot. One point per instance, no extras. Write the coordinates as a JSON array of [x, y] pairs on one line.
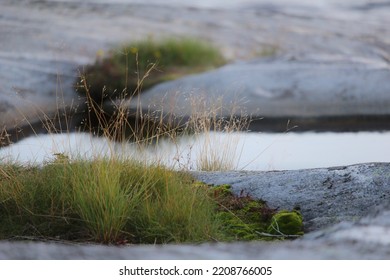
[[317, 87], [325, 196], [351, 205], [45, 43]]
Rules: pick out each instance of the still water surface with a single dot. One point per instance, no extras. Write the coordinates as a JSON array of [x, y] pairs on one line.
[[245, 151]]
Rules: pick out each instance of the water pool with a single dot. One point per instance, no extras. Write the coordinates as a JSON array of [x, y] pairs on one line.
[[242, 151]]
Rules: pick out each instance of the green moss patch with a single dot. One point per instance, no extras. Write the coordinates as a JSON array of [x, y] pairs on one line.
[[286, 223], [245, 218]]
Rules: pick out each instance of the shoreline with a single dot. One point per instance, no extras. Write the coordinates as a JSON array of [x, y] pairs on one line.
[[337, 124]]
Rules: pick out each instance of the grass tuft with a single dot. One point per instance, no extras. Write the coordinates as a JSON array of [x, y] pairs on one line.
[[117, 202], [143, 64], [105, 201], [207, 125]]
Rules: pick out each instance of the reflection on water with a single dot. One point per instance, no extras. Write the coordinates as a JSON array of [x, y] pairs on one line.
[[247, 151]]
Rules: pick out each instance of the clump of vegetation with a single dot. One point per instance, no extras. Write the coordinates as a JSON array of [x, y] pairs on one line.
[[118, 202], [103, 200], [143, 64]]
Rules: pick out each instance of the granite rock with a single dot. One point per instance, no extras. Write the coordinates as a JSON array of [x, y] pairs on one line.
[[326, 196]]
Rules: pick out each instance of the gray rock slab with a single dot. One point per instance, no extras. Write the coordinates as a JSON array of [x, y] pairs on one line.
[[317, 87], [326, 196]]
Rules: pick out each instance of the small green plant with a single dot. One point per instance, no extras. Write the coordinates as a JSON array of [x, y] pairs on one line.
[[140, 65], [99, 199]]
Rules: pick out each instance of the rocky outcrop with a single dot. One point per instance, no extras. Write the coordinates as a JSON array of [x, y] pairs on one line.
[[332, 55], [325, 196]]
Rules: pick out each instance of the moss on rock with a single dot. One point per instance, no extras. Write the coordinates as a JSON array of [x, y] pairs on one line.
[[240, 217], [285, 223]]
